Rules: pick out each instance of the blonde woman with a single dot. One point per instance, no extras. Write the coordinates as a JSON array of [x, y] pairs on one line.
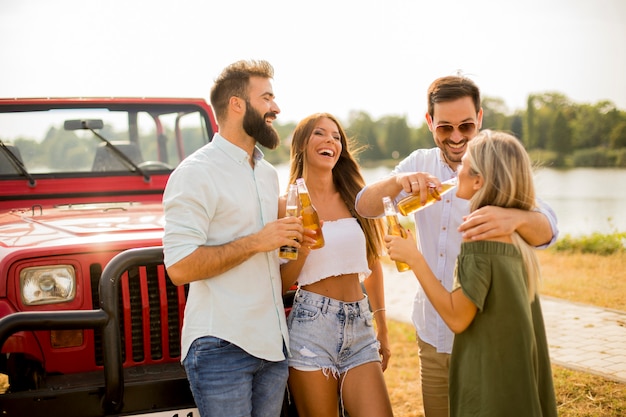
[[499, 363], [336, 359]]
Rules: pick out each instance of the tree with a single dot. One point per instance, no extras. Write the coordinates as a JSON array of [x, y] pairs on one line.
[[529, 138], [396, 136], [282, 152], [423, 137], [495, 114], [64, 149], [560, 138], [592, 124], [618, 136], [545, 109], [363, 130], [517, 125]]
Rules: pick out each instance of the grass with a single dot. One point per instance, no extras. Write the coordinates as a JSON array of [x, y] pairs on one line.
[[580, 277], [585, 277]]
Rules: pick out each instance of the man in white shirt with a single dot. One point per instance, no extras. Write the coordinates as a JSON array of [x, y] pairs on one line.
[[454, 117], [221, 237]]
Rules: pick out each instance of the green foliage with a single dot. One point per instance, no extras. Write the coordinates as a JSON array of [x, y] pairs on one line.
[[517, 125], [495, 114], [282, 152], [423, 137], [594, 157], [364, 132], [62, 145], [620, 157], [592, 124], [598, 243], [529, 137], [561, 133], [396, 135], [618, 136], [560, 138], [543, 158]]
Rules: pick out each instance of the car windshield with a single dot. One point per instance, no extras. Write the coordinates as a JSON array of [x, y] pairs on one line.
[[122, 138]]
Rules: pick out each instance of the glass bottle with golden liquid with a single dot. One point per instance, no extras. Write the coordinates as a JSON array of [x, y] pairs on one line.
[[412, 203], [394, 228], [291, 210], [310, 219]]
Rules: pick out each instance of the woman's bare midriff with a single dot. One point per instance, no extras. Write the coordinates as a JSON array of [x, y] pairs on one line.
[[341, 287]]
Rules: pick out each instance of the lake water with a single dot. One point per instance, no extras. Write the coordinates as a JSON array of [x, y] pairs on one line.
[[585, 200]]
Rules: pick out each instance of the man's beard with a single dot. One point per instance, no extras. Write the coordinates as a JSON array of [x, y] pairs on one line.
[[255, 126], [449, 156]]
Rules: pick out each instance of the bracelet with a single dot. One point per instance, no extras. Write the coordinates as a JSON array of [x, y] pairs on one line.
[[380, 309]]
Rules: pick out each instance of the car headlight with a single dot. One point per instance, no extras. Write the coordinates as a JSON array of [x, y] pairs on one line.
[[48, 284]]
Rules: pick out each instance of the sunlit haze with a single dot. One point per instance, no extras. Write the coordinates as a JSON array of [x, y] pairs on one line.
[[334, 56]]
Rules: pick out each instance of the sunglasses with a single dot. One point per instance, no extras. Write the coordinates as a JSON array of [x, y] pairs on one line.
[[465, 128]]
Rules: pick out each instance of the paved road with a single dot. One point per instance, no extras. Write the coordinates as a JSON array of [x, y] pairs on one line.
[[581, 337]]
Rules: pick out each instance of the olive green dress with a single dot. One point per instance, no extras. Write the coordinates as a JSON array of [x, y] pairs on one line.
[[500, 364]]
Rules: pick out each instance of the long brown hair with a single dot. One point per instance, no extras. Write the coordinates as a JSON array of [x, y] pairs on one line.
[[347, 177]]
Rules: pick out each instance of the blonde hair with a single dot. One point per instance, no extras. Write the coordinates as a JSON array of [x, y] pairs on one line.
[[507, 172], [347, 177]]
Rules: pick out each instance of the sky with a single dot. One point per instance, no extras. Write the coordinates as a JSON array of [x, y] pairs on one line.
[[333, 56]]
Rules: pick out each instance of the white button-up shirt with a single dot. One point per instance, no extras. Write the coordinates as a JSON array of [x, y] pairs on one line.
[[214, 197]]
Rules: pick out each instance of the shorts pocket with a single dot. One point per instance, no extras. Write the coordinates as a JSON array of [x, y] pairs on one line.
[[305, 312]]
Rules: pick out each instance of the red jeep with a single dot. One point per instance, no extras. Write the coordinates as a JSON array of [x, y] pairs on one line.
[[81, 180]]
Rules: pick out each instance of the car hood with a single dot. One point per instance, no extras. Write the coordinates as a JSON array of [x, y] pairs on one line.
[[83, 222]]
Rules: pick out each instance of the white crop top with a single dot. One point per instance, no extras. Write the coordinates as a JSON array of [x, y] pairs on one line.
[[344, 252]]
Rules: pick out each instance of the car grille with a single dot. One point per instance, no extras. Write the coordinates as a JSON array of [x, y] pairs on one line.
[[150, 310]]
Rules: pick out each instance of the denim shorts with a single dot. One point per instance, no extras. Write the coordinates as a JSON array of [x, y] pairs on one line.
[[330, 334]]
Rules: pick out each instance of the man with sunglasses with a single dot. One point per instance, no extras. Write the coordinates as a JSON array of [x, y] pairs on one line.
[[454, 117]]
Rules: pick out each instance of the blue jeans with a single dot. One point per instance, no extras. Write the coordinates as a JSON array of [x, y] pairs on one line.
[[227, 381]]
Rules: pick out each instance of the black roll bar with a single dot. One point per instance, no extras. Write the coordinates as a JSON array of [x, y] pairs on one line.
[[105, 318]]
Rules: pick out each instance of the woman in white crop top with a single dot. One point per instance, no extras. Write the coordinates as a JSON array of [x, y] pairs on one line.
[[336, 358]]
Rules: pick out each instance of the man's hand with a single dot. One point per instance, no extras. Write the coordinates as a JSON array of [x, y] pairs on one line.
[[370, 201], [281, 232], [209, 261], [414, 182], [489, 222]]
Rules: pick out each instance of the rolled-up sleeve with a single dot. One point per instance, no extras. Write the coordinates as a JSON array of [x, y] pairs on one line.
[[187, 219], [547, 211]]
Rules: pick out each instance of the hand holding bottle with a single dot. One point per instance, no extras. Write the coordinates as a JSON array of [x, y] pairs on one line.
[[404, 250], [291, 210], [394, 228], [413, 202], [310, 218]]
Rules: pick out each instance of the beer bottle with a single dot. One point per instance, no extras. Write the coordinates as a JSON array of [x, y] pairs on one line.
[[310, 219], [412, 203], [291, 210], [394, 228]]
